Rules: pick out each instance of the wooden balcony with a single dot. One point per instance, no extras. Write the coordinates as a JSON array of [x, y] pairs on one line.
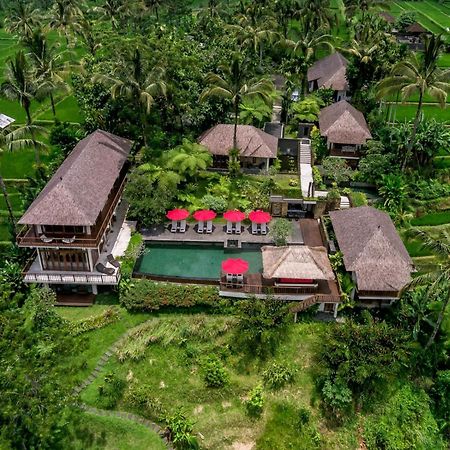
[[28, 237], [346, 152]]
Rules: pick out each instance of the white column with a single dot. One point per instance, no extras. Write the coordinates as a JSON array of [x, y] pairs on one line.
[[39, 258], [94, 289], [335, 310], [91, 260], [267, 164]]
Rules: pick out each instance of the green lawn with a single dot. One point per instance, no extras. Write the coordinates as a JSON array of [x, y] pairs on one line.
[[96, 432], [67, 110], [171, 371], [408, 111], [433, 219]]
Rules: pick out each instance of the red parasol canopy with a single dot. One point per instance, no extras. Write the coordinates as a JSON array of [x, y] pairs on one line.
[[234, 215], [204, 215], [177, 214], [259, 216], [235, 265]]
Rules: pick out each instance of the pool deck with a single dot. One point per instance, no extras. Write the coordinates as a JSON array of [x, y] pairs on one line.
[[163, 233]]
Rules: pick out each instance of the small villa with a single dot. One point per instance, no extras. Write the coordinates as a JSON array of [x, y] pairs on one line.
[[75, 223], [257, 149], [373, 253], [330, 72], [345, 130]]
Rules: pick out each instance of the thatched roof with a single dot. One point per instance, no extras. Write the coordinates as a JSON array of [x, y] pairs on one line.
[[416, 28], [5, 121], [389, 18], [251, 141], [330, 72], [342, 123], [79, 189], [297, 261], [372, 249]]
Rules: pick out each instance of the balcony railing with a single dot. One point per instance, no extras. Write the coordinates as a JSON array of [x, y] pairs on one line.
[[28, 238], [276, 290], [59, 278]]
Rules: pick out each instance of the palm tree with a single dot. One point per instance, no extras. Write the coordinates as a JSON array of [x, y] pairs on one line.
[[236, 85], [19, 83], [89, 37], [352, 7], [134, 80], [111, 11], [305, 49], [23, 19], [318, 14], [16, 140], [188, 158], [420, 74], [437, 280], [154, 5], [65, 17], [50, 69]]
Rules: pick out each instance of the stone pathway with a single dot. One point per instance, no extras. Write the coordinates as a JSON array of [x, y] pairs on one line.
[[110, 413]]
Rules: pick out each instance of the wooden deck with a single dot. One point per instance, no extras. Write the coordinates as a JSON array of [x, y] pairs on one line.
[[63, 299], [311, 232]]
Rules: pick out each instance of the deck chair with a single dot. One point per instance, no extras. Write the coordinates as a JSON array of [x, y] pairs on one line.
[[46, 239], [209, 227], [183, 226], [254, 228], [263, 228], [229, 228], [110, 258], [201, 227], [173, 227], [238, 228], [103, 269], [68, 240]]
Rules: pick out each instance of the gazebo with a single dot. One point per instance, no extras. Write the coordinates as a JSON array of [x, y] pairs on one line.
[[234, 269], [234, 218], [259, 220], [178, 218], [296, 266], [202, 216]]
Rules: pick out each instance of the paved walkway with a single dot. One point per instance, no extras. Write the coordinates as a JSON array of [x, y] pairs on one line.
[[311, 232]]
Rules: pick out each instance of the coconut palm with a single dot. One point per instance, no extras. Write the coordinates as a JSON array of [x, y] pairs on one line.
[[65, 17], [419, 73], [135, 80], [318, 14], [353, 7], [23, 19], [305, 49], [19, 84], [438, 280], [235, 85], [17, 139], [153, 5], [112, 11], [49, 66], [188, 158]]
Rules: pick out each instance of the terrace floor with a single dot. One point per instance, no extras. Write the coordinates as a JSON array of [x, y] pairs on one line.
[[163, 233]]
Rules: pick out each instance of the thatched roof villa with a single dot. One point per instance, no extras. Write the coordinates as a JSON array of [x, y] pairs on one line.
[[373, 253]]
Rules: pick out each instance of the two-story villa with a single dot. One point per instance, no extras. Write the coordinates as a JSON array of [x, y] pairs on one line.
[[74, 222]]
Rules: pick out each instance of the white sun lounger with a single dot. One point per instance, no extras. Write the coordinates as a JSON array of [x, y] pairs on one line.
[[263, 228], [183, 226], [238, 227], [174, 226], [254, 228], [201, 227], [229, 228], [209, 226]]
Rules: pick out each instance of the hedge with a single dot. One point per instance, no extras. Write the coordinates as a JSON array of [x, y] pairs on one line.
[[108, 316], [146, 295]]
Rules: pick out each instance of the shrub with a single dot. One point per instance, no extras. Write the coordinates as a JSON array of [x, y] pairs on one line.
[[110, 392], [216, 203], [179, 429], [215, 375], [280, 230], [357, 198], [278, 375], [138, 397], [110, 315], [336, 395], [255, 404], [146, 295]]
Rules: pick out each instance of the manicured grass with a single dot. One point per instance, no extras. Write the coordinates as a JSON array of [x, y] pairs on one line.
[[67, 110], [408, 111], [437, 218], [97, 432], [172, 373]]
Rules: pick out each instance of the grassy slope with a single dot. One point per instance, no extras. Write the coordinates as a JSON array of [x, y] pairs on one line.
[[113, 434], [219, 415]]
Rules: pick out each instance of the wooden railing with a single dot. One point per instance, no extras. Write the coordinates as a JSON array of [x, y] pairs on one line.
[[259, 289], [314, 299], [28, 238], [60, 278]]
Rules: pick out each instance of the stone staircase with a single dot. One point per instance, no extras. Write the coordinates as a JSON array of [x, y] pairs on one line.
[[305, 154], [345, 202]]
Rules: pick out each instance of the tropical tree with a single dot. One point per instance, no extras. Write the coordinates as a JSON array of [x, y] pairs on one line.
[[305, 48], [65, 17], [353, 7], [236, 85], [306, 110], [23, 19], [437, 282], [17, 139], [112, 11], [419, 73], [318, 14], [255, 112], [49, 66], [188, 158], [19, 84], [154, 5], [133, 78]]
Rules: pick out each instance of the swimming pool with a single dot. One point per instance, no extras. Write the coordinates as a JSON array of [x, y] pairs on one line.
[[193, 261]]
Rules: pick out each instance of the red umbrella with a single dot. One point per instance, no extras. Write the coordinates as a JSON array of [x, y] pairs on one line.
[[204, 215], [259, 216], [177, 214], [234, 266], [234, 216]]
